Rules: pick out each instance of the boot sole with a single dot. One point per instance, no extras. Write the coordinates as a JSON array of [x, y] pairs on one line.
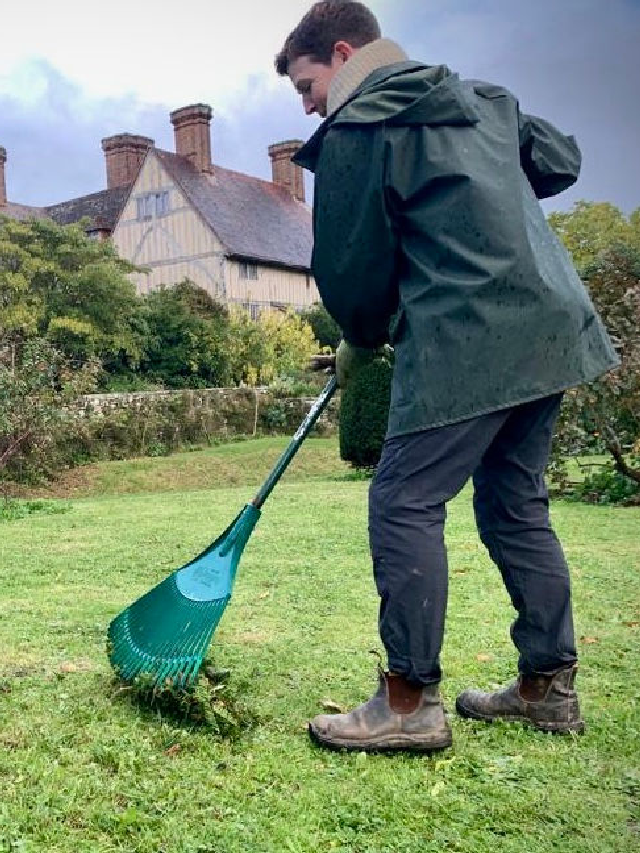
[[404, 743], [577, 727]]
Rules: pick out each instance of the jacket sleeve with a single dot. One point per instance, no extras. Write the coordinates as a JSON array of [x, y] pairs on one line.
[[550, 160], [355, 243]]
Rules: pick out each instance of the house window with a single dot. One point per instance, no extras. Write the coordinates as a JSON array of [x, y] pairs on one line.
[[144, 208], [252, 308], [152, 204], [249, 271], [162, 203]]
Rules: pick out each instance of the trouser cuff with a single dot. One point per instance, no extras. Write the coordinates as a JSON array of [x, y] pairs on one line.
[[423, 675]]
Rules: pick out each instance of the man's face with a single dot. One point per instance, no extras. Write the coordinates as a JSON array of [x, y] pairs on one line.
[[312, 80]]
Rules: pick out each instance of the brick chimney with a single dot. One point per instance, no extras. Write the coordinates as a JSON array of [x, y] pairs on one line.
[[286, 173], [124, 154], [191, 128], [3, 186]]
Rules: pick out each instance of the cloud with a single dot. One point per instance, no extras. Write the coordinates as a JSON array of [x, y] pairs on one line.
[[53, 139], [53, 136], [575, 63], [152, 47]]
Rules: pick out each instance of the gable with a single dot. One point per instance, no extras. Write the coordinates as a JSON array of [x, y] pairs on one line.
[[158, 223]]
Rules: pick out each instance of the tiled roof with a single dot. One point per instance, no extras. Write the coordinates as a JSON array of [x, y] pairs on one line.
[[102, 208], [22, 211], [254, 219]]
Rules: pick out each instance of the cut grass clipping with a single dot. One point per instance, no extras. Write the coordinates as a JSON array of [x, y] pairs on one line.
[[211, 703]]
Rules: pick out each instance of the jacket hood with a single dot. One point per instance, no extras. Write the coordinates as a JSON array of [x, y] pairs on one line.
[[403, 94]]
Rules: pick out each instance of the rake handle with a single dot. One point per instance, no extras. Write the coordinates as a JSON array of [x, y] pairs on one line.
[[303, 430]]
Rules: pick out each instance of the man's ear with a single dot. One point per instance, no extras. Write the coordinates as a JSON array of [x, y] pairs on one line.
[[343, 51]]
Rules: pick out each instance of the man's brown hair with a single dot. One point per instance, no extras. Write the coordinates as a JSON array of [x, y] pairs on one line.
[[326, 23]]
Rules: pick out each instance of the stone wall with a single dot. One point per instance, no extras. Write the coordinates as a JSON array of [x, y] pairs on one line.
[[228, 411]]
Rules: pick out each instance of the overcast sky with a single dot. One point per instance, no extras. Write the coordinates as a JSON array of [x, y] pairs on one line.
[[73, 72]]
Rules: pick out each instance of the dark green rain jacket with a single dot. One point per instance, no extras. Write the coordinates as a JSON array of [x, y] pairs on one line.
[[429, 235]]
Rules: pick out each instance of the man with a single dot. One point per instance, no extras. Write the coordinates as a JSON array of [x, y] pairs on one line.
[[429, 236]]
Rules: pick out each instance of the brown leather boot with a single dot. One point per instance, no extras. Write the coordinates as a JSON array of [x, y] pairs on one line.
[[399, 716], [548, 702]]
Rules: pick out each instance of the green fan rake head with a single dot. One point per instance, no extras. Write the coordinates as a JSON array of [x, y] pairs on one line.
[[165, 633]]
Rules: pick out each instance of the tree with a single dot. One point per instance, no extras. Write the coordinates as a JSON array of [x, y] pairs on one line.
[[605, 415], [613, 402], [21, 307], [593, 227], [55, 282]]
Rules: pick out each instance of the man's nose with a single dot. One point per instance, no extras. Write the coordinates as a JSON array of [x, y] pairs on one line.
[[309, 106]]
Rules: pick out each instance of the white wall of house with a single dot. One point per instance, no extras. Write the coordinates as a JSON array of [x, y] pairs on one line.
[[173, 243], [262, 286], [159, 230]]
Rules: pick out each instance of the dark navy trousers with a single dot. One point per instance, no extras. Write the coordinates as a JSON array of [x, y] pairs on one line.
[[505, 453]]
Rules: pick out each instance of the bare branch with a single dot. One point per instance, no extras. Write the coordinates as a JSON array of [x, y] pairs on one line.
[[614, 448], [12, 448]]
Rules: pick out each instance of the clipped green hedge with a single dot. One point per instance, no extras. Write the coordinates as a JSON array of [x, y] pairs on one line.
[[364, 412]]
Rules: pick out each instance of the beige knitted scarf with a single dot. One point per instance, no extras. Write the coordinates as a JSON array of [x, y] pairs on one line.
[[355, 71]]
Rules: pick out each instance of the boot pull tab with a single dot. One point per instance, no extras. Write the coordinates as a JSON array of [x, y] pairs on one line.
[[404, 697]]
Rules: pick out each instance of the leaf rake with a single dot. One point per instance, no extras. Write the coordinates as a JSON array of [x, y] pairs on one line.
[[165, 633]]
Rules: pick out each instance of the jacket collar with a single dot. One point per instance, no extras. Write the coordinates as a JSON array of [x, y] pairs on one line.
[[308, 154], [377, 54]]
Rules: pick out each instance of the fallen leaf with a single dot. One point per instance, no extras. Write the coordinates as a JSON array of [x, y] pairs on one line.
[[444, 763], [68, 666], [264, 595], [589, 640], [484, 658], [332, 707], [173, 750], [631, 624], [437, 788]]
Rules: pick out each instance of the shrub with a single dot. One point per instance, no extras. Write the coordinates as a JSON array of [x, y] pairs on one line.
[[36, 384], [325, 329], [364, 412], [158, 426], [608, 486], [188, 338], [277, 345], [12, 509], [300, 383]]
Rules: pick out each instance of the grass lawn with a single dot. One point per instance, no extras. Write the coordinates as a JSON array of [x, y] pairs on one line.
[[84, 768], [239, 463]]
